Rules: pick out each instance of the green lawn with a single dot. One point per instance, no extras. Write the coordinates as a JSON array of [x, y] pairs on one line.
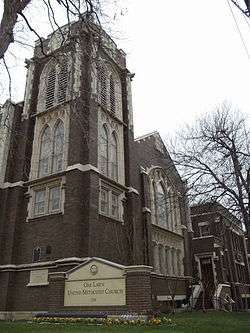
[[196, 322]]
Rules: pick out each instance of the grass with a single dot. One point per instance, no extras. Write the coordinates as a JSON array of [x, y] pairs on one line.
[[196, 322]]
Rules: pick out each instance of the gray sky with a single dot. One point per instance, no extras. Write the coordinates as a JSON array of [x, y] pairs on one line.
[[187, 56]]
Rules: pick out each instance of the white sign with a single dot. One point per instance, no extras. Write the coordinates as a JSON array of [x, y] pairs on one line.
[[96, 283]]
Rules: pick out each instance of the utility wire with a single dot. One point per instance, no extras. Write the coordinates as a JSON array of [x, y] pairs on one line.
[[238, 29]]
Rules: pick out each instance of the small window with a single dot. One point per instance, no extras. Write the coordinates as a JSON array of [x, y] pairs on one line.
[[37, 253], [54, 198], [39, 205], [204, 230], [111, 202], [46, 200], [104, 201], [114, 205]]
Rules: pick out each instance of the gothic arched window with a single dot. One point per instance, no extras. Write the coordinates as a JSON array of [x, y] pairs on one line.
[[109, 88], [45, 153], [54, 83], [161, 205], [62, 80], [114, 157], [104, 151], [112, 93], [51, 150], [103, 86], [50, 88], [58, 148]]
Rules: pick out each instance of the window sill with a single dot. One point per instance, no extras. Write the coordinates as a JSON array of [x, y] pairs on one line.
[[167, 230], [37, 284], [113, 115], [33, 218], [113, 219], [113, 182], [45, 179], [51, 109]]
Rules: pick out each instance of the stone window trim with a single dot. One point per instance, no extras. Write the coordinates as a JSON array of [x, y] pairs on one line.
[[46, 186], [112, 115], [110, 190], [204, 229]]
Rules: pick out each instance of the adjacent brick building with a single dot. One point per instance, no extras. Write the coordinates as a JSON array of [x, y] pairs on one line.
[[74, 184], [220, 258]]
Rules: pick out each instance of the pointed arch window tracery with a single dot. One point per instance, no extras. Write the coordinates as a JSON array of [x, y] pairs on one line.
[[45, 152], [51, 150], [161, 210], [58, 147], [113, 157], [109, 88], [54, 83], [104, 152]]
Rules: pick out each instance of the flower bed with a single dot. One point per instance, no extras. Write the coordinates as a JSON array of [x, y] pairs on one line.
[[106, 321]]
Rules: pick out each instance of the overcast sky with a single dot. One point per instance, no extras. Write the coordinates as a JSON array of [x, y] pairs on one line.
[[187, 57]]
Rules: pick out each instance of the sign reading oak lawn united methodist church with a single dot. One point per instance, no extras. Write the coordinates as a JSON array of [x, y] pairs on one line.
[[95, 283]]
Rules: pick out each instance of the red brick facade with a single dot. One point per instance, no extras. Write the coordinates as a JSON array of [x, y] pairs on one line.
[[79, 230]]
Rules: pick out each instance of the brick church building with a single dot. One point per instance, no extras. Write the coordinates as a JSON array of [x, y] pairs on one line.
[[77, 188]]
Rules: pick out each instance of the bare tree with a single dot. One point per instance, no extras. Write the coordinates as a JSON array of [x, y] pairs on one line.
[[22, 22], [15, 11], [214, 157]]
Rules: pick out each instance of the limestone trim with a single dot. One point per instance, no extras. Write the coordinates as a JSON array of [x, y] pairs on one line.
[[44, 264], [9, 185], [82, 167], [202, 237], [146, 210], [138, 268], [145, 136], [169, 297], [101, 260], [132, 190]]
